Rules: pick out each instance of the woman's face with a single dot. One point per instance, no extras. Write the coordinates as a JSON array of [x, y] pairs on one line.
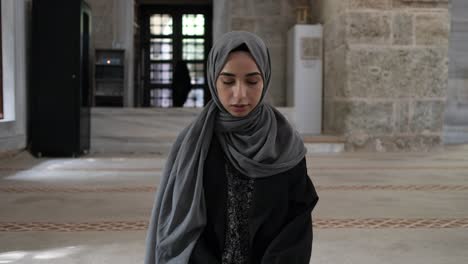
[[239, 84]]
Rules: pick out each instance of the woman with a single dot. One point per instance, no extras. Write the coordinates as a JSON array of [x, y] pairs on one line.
[[181, 85], [235, 187]]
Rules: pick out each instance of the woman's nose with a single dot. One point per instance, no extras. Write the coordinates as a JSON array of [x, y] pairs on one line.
[[240, 90]]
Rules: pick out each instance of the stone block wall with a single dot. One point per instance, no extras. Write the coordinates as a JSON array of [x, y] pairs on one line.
[[113, 28], [103, 23], [386, 72], [271, 20]]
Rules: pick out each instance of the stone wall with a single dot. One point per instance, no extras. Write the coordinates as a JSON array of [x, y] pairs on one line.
[[386, 72], [103, 23], [113, 28], [271, 20]]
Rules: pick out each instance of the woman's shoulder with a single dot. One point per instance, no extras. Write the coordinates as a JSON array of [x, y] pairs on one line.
[[299, 168], [298, 173]]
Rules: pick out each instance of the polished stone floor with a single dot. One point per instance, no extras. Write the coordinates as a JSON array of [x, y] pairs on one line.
[[374, 207]]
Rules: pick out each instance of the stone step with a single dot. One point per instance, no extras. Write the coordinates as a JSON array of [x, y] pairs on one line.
[[137, 131], [324, 143], [314, 144]]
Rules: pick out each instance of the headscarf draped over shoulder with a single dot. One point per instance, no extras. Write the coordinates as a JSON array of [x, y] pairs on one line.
[[258, 145]]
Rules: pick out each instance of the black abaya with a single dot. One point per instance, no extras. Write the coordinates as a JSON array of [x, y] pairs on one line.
[[279, 223]]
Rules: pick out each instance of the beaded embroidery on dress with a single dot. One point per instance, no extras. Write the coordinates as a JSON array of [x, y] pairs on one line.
[[239, 199]]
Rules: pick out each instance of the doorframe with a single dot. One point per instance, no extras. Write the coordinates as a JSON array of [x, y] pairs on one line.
[[176, 10]]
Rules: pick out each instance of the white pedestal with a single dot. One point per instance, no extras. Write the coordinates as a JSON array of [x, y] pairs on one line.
[[304, 77]]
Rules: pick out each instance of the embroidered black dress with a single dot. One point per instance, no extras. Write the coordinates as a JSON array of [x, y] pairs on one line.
[[255, 221]]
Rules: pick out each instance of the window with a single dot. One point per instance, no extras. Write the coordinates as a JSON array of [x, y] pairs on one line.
[[174, 33]]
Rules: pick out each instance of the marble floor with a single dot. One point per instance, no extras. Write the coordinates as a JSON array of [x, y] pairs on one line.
[[374, 207]]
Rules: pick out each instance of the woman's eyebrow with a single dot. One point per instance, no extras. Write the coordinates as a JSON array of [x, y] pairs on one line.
[[233, 75], [252, 74], [227, 74]]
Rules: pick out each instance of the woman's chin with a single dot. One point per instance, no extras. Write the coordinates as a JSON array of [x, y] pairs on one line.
[[239, 113]]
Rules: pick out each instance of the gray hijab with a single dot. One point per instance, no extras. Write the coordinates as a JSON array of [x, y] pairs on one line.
[[260, 144]]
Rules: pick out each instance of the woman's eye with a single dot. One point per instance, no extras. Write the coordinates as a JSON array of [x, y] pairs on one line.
[[228, 82], [252, 83]]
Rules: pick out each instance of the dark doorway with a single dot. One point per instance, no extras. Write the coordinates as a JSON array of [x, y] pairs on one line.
[[171, 34]]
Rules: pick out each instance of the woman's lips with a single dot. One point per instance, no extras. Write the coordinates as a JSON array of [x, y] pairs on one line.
[[239, 108]]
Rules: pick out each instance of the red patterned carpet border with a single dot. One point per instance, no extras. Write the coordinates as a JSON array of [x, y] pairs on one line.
[[381, 223], [67, 189], [57, 189], [311, 168], [390, 187], [73, 227], [396, 168], [85, 169], [369, 223]]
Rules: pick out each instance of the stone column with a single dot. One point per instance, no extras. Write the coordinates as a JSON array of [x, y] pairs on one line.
[[386, 72], [456, 117], [13, 128], [220, 18], [124, 18]]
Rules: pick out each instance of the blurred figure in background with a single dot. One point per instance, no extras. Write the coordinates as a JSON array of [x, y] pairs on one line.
[[181, 84]]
